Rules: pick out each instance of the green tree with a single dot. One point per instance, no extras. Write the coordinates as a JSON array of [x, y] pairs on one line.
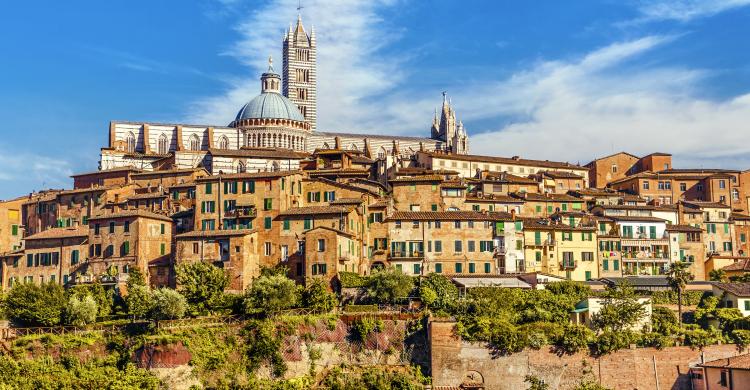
[[317, 297], [536, 383], [718, 275], [620, 309], [678, 276], [438, 292], [271, 294], [103, 298], [568, 288], [80, 312], [575, 338], [168, 304], [202, 285], [388, 285], [139, 301], [664, 321], [35, 305]]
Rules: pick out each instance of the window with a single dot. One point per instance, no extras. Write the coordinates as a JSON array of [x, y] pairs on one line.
[[683, 187], [163, 145], [605, 264], [587, 256], [14, 230], [267, 204], [471, 246], [438, 246], [415, 224], [320, 269], [195, 143], [722, 184], [329, 196], [645, 185], [130, 143], [458, 246], [438, 268], [472, 268], [433, 207], [163, 249], [614, 168], [588, 275], [457, 224], [267, 248], [487, 268], [417, 269], [287, 224], [459, 268], [321, 245], [163, 229], [209, 188], [267, 223], [111, 227], [96, 229], [308, 223], [616, 265], [125, 250], [195, 248]]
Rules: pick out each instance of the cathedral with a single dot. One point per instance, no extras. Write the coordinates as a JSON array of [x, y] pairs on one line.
[[275, 130]]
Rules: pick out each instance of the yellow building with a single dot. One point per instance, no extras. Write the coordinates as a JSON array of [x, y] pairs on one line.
[[10, 225], [560, 249]]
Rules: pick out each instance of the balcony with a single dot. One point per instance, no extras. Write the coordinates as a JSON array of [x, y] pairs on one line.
[[500, 251], [406, 255], [569, 264], [658, 256], [241, 212]]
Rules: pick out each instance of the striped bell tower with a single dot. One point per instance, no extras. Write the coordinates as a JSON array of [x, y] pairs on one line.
[[300, 71]]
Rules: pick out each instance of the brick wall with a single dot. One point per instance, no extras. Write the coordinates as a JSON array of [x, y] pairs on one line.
[[452, 359]]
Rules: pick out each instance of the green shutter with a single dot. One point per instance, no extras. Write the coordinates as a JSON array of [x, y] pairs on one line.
[[438, 268], [588, 275], [267, 223], [487, 268], [537, 238], [605, 264], [287, 224], [519, 226]]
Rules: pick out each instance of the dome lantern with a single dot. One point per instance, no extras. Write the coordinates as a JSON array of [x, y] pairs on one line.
[[270, 81]]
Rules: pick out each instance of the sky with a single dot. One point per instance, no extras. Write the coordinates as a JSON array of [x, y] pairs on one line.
[[548, 79]]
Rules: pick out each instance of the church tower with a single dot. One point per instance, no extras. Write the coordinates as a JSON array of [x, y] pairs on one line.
[[300, 71], [446, 129]]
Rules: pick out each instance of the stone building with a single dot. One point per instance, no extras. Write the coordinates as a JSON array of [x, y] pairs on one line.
[[11, 226]]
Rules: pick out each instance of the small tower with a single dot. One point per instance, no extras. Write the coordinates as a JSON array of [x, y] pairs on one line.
[[300, 71], [447, 130], [270, 81]]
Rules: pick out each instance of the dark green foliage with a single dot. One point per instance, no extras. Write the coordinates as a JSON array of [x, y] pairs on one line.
[[696, 337], [438, 293], [574, 338], [277, 270], [352, 280], [373, 379], [139, 301], [363, 327], [669, 297], [539, 334], [203, 286], [656, 340], [610, 341], [168, 304], [620, 310], [718, 275], [664, 321], [388, 285], [317, 297], [536, 383], [271, 294], [104, 298], [574, 290], [745, 277], [35, 305], [360, 308], [265, 347], [69, 373]]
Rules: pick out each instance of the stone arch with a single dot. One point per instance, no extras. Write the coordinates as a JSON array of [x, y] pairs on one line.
[[241, 167], [163, 144], [194, 143], [473, 380]]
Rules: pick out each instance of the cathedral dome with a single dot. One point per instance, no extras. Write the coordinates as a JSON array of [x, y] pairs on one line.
[[270, 105]]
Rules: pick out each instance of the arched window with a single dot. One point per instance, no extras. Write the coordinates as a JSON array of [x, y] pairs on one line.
[[130, 143], [195, 143], [163, 146], [275, 166], [382, 153], [241, 167], [223, 143]]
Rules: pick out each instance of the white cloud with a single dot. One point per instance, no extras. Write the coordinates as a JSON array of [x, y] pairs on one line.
[[685, 10], [582, 109], [25, 170], [348, 60]]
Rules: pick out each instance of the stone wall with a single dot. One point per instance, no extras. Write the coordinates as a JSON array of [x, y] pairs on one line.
[[454, 361]]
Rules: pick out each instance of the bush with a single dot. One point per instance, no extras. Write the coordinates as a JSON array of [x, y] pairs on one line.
[[168, 304], [202, 285], [264, 348], [539, 334], [352, 280], [139, 301], [317, 297], [363, 327], [104, 299], [35, 305], [610, 341], [664, 321], [669, 297], [388, 285], [80, 312], [271, 294], [694, 336], [574, 338], [656, 340], [438, 292]]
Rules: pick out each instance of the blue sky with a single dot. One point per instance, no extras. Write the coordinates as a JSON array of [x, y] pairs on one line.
[[554, 80]]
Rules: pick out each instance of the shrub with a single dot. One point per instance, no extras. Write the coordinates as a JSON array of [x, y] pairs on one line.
[[271, 294], [352, 280], [539, 334], [317, 297], [363, 327], [656, 340], [694, 336], [104, 299], [388, 285], [202, 285], [438, 292], [664, 321], [610, 341], [265, 347], [574, 338], [35, 305], [168, 304], [741, 337], [80, 312], [669, 297], [139, 301]]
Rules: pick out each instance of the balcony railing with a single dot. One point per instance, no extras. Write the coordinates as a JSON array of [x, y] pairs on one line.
[[406, 254], [501, 251], [250, 212], [569, 264]]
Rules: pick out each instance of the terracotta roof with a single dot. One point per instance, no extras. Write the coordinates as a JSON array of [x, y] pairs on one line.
[[148, 195], [452, 184], [699, 170], [612, 155], [248, 175], [378, 204], [625, 207], [425, 171], [503, 216], [739, 265], [417, 178], [529, 197], [684, 229], [439, 215], [561, 175], [85, 190], [111, 170], [738, 289], [635, 218], [312, 210], [740, 217], [60, 233], [277, 153], [698, 204], [741, 362], [546, 224], [337, 231], [362, 160], [505, 177], [595, 192], [131, 213], [505, 160], [343, 201], [216, 233], [347, 171], [494, 198], [183, 185]]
